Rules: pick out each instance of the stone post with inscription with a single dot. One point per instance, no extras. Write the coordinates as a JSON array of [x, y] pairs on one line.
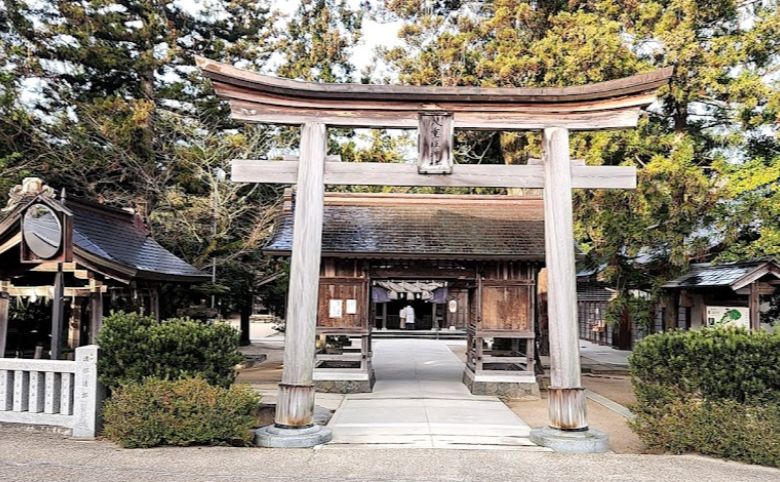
[[88, 394]]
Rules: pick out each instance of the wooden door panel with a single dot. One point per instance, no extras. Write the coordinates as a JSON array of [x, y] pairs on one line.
[[342, 291], [506, 308]]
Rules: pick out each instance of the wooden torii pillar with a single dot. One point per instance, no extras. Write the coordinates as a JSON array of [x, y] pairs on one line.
[[436, 112]]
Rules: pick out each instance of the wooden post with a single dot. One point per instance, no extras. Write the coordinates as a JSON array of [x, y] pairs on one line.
[[154, 302], [754, 304], [4, 305], [295, 404], [246, 320], [567, 409], [57, 313], [74, 324], [95, 313]]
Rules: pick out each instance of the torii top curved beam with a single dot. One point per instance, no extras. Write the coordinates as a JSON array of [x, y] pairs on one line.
[[606, 105]]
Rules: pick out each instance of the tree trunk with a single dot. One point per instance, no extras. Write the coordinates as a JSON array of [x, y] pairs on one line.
[[246, 313]]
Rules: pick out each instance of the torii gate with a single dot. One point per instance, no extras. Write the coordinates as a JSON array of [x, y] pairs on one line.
[[436, 112]]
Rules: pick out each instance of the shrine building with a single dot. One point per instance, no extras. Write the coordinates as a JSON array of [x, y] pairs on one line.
[[66, 262], [465, 264]]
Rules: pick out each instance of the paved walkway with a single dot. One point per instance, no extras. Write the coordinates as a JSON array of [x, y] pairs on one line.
[[604, 354], [35, 457], [419, 401]]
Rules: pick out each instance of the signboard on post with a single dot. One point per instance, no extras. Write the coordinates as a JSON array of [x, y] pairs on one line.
[[435, 136], [728, 315]]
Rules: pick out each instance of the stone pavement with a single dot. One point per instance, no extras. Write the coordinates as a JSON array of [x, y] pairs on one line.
[[33, 457], [420, 401], [604, 355]]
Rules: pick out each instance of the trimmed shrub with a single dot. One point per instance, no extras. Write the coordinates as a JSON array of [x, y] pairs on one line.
[[182, 412], [714, 391], [721, 363], [134, 347], [723, 428]]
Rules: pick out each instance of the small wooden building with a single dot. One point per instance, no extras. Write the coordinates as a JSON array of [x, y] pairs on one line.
[[85, 258], [593, 297], [735, 293], [463, 263]]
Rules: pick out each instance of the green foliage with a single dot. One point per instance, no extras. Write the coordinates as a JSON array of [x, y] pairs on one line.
[[125, 118], [129, 121], [705, 154], [318, 40], [753, 230], [715, 391], [136, 347], [721, 363], [638, 310], [723, 428], [183, 412]]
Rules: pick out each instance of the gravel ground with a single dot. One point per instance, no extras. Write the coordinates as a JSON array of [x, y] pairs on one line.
[[621, 439], [616, 388], [34, 456]]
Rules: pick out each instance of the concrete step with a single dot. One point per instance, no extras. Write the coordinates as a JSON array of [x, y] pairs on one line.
[[457, 442], [420, 334]]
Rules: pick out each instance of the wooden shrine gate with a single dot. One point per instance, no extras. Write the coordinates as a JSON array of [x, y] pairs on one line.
[[436, 112]]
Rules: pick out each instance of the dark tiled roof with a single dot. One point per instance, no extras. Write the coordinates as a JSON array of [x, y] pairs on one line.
[[423, 226], [117, 236], [703, 275]]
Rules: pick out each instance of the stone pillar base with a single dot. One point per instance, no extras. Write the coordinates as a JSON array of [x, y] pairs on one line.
[[516, 386], [344, 381], [571, 442], [288, 438]]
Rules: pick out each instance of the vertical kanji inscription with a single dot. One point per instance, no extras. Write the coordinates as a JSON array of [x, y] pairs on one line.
[[435, 143]]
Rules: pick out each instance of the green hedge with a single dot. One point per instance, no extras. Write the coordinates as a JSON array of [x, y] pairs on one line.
[[715, 364], [724, 428], [714, 391], [182, 412], [135, 347]]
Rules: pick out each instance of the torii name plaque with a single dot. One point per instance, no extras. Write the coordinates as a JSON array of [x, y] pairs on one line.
[[435, 140]]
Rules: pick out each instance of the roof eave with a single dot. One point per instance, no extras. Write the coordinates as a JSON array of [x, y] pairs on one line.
[[768, 267], [172, 278], [538, 257], [636, 84]]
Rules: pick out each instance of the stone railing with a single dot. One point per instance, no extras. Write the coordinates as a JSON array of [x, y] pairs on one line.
[[51, 392]]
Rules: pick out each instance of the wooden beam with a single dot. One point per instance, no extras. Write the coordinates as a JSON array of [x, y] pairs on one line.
[[567, 403], [768, 268], [295, 402], [328, 158], [51, 267], [154, 302], [95, 311], [44, 291], [264, 99], [74, 324], [393, 119], [463, 175], [255, 83], [533, 161], [754, 303], [4, 305], [57, 315], [12, 242]]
